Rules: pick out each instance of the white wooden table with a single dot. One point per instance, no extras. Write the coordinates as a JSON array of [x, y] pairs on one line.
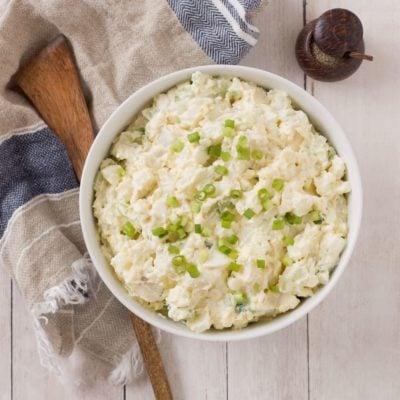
[[349, 347]]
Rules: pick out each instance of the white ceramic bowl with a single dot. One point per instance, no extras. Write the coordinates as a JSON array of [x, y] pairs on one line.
[[320, 117]]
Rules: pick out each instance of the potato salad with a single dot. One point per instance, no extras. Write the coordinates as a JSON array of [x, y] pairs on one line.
[[220, 204]]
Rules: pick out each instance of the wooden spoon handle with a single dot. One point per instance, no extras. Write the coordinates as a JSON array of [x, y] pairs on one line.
[[152, 359], [50, 80]]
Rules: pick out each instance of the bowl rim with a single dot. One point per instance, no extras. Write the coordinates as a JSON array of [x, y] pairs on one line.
[[319, 116]]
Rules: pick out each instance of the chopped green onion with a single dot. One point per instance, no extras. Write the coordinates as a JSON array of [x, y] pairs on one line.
[[214, 150], [243, 153], [225, 156], [242, 140], [193, 271], [209, 189], [234, 267], [257, 154], [278, 224], [178, 260], [293, 219], [128, 230], [177, 146], [183, 220], [221, 170], [227, 216], [141, 129], [274, 288], [263, 194], [256, 287], [286, 261], [266, 204], [225, 204], [226, 224], [261, 264], [201, 195], [173, 249], [288, 241], [203, 255], [229, 123], [172, 201], [172, 227], [278, 184], [193, 137], [179, 263], [228, 132], [205, 232], [159, 231], [236, 194], [233, 254], [249, 213], [121, 172], [232, 239], [240, 297], [315, 216], [197, 228], [225, 249], [264, 197], [181, 233]]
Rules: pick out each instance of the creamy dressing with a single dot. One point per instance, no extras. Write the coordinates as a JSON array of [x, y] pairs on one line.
[[183, 243]]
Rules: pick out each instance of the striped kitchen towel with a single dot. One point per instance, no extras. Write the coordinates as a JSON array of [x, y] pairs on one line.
[[119, 46]]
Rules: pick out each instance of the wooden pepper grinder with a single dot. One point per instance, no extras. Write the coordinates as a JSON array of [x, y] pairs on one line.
[[331, 47]]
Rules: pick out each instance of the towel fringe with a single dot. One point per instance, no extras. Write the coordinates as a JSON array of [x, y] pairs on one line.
[[75, 290], [130, 366]]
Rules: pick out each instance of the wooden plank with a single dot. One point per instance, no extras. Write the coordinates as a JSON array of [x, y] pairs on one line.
[[275, 366], [354, 334], [271, 367], [196, 370], [280, 22], [33, 382], [5, 336]]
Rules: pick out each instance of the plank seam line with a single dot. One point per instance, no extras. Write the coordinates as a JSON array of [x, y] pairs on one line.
[[227, 370], [11, 341]]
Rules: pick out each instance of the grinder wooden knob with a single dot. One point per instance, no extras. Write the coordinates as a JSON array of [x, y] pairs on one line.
[[331, 48]]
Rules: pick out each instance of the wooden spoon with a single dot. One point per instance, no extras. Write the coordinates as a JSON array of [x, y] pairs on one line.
[[50, 80]]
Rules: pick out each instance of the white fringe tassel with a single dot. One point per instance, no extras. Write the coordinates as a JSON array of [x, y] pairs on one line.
[[130, 366], [71, 291]]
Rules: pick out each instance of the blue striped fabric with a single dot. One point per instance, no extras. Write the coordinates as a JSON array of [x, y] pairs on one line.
[[251, 4], [31, 164], [235, 14], [212, 30]]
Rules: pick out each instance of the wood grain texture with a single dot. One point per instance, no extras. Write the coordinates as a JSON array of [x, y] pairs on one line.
[[355, 333], [152, 359], [271, 367], [195, 369], [319, 65], [51, 82]]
